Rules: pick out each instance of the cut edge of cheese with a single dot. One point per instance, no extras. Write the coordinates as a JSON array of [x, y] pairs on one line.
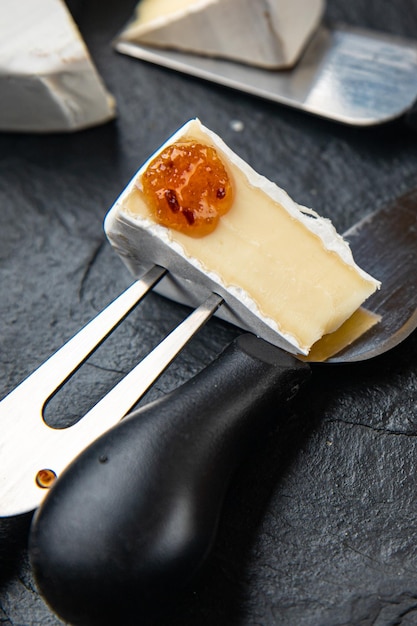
[[266, 33], [354, 327], [141, 242], [48, 80]]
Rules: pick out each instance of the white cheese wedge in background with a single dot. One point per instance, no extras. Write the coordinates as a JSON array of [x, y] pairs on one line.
[[48, 82], [265, 33], [284, 272]]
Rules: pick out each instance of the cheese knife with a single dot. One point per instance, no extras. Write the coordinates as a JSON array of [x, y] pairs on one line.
[[350, 75], [135, 515]]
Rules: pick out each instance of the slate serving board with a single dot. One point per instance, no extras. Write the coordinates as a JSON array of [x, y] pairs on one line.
[[320, 525]]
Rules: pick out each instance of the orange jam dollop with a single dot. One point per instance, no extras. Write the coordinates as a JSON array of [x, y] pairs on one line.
[[188, 188]]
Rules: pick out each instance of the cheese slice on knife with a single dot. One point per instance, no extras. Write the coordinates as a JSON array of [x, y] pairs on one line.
[[48, 82], [202, 212], [266, 33]]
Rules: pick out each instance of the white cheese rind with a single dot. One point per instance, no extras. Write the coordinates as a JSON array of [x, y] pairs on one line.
[[141, 242], [266, 33], [48, 82]]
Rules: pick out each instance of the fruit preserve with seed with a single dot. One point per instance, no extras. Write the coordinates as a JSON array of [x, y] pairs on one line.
[[188, 188]]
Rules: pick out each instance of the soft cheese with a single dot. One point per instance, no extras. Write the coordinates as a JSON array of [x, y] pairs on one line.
[[283, 272], [266, 33], [48, 81]]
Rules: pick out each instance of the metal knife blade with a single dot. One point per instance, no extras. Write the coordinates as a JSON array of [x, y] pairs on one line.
[[354, 76]]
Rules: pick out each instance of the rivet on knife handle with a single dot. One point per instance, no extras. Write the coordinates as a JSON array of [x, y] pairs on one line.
[[133, 518]]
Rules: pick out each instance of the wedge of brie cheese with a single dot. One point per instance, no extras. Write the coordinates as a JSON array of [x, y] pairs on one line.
[[265, 33], [284, 272], [48, 82]]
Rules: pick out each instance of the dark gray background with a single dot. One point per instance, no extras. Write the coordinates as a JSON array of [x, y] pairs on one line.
[[320, 525]]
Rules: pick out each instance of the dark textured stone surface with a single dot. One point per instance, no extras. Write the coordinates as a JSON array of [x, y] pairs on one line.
[[320, 525]]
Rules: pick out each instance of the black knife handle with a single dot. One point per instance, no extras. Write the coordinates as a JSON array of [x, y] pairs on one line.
[[135, 515]]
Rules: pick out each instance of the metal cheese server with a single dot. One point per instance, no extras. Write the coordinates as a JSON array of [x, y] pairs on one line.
[[354, 76], [133, 518], [33, 453]]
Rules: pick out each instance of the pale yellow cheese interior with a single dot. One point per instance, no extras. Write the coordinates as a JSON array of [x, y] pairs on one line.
[[355, 326], [149, 10], [282, 266]]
